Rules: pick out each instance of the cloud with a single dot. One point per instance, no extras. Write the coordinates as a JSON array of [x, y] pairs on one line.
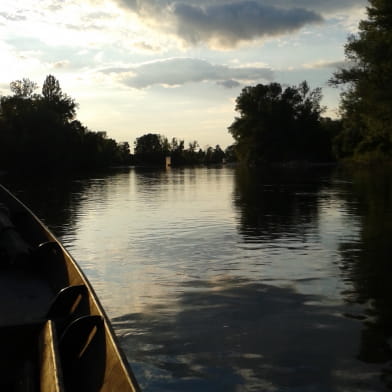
[[132, 4], [61, 64], [144, 46], [326, 64], [97, 20], [55, 5], [12, 18], [84, 27], [228, 24], [229, 83], [225, 24], [321, 6], [178, 71]]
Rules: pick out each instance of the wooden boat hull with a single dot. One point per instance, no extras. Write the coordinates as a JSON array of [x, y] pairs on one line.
[[54, 331]]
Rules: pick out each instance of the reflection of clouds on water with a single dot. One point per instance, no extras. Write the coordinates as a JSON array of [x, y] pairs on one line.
[[219, 279], [234, 333]]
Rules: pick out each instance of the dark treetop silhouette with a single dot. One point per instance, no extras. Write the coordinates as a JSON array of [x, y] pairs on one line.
[[40, 131]]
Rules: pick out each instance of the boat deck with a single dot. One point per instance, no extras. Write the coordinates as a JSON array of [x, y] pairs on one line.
[[24, 302], [24, 298]]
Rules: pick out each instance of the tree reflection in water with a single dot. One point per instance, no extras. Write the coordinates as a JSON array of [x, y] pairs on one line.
[[238, 334], [368, 263], [275, 202], [260, 318]]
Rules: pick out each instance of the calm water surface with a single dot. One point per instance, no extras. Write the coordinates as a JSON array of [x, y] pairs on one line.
[[221, 279]]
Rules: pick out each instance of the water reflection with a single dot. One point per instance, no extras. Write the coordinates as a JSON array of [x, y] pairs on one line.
[[51, 198], [238, 335], [276, 202], [236, 280], [367, 262]]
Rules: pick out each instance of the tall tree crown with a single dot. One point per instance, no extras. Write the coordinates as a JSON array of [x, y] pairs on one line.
[[366, 104], [51, 89]]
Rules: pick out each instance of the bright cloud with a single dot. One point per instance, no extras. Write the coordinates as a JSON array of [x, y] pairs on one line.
[[326, 64], [178, 71]]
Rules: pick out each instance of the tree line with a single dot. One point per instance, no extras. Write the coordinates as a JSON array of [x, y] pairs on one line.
[[275, 123], [152, 149], [40, 131], [282, 125]]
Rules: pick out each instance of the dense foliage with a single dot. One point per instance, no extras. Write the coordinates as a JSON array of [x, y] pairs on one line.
[[151, 149], [281, 125], [367, 99], [40, 131]]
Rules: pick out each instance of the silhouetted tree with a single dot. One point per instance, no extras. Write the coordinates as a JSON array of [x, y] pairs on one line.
[[124, 152], [23, 88], [366, 103], [332, 130], [193, 155], [51, 90], [230, 153], [278, 125], [214, 155], [151, 148], [177, 152], [219, 154], [55, 100], [40, 132]]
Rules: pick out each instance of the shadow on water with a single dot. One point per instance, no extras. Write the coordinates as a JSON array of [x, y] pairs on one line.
[[367, 264], [236, 335], [278, 202], [49, 197], [56, 199]]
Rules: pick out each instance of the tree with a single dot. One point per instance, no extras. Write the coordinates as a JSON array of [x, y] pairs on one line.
[[23, 88], [56, 100], [230, 153], [192, 157], [51, 89], [177, 152], [124, 152], [38, 132], [277, 125], [215, 156], [151, 148], [366, 103]]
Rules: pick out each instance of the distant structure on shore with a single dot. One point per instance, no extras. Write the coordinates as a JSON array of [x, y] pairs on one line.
[[168, 161]]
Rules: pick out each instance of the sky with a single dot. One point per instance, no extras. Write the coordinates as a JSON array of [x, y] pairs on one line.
[[173, 67]]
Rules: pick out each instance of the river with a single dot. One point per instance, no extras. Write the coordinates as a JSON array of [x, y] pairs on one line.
[[227, 279]]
